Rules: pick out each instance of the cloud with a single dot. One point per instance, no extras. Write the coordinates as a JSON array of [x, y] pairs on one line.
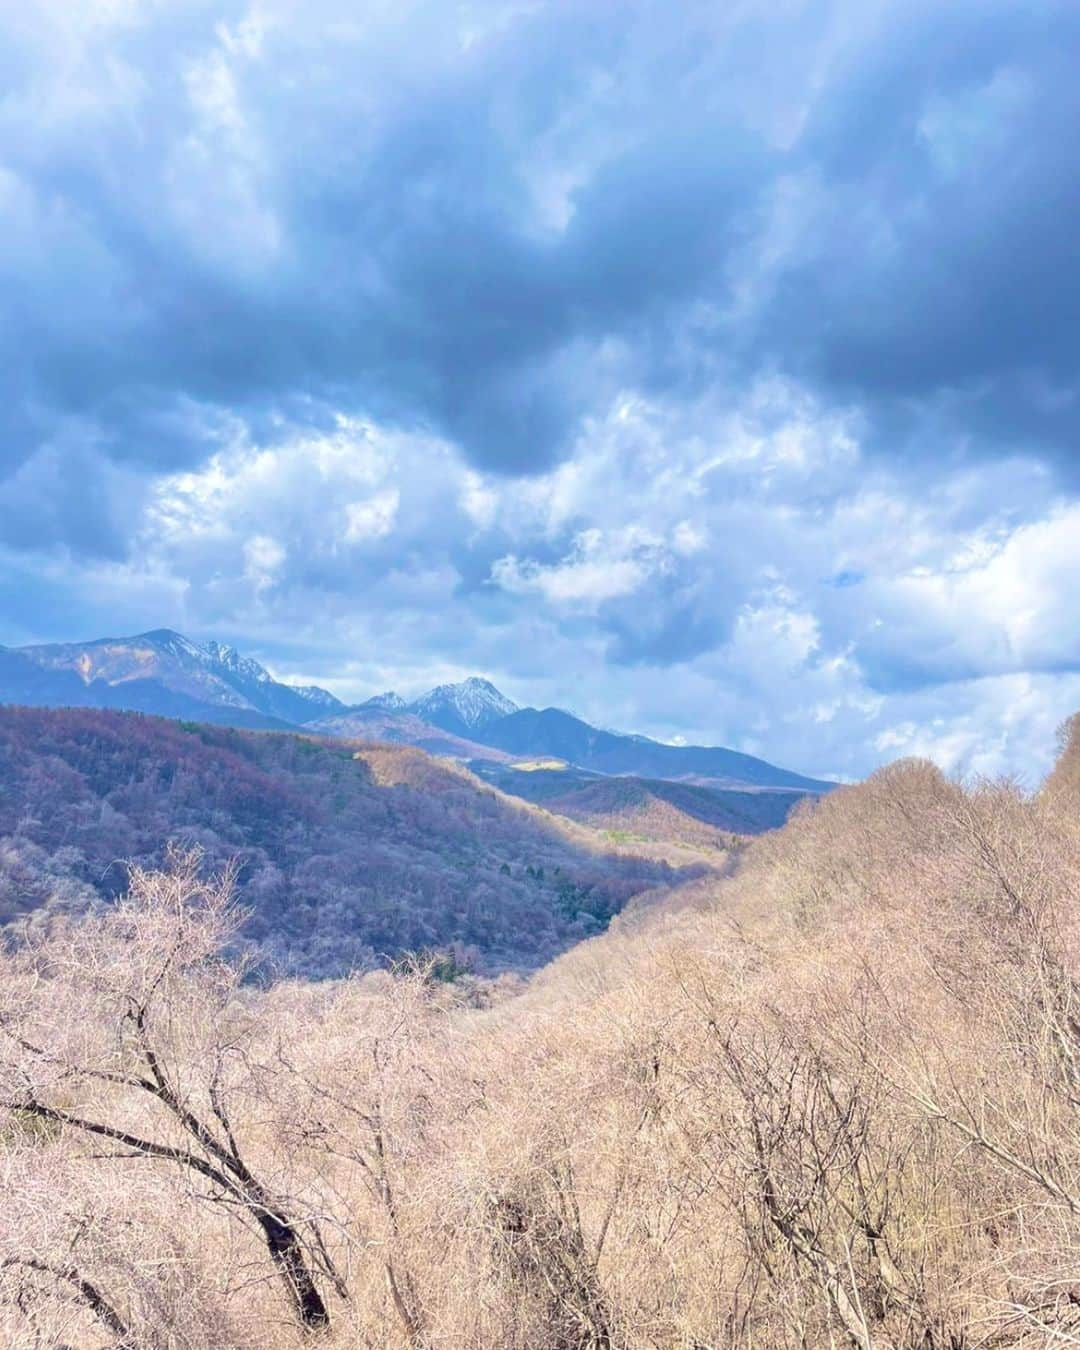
[[1001, 604], [714, 370], [932, 276], [746, 577], [490, 223], [596, 570], [263, 558], [373, 518]]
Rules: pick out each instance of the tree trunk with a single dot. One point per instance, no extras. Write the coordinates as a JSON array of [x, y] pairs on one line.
[[287, 1253]]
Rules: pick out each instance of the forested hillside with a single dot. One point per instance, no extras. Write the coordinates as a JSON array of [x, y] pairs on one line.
[[830, 1100], [647, 808], [347, 855]]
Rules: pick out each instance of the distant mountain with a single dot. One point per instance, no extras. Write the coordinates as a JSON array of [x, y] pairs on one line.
[[159, 672], [23, 680], [533, 733], [165, 673], [289, 702], [390, 701], [377, 721], [463, 709]]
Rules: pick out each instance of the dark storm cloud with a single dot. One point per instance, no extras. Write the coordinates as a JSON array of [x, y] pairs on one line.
[[221, 232], [940, 282]]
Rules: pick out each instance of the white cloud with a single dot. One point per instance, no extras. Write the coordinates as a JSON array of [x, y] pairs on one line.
[[599, 567], [372, 519], [688, 538], [263, 558], [479, 500], [998, 600]]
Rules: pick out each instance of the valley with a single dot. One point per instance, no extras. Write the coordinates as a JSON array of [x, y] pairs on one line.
[[348, 854], [522, 1033]]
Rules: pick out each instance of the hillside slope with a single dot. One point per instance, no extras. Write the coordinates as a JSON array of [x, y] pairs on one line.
[[550, 731], [374, 721], [647, 808], [656, 809], [829, 1099], [349, 853]]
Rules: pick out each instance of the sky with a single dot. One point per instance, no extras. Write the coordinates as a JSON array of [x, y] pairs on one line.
[[710, 370]]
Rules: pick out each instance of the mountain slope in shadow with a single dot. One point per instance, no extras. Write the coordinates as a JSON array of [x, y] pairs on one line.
[[532, 732], [349, 853]]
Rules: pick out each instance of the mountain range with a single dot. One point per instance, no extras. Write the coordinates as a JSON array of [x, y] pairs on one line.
[[158, 672], [531, 752]]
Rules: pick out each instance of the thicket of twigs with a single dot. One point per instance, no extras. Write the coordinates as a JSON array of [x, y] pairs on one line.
[[834, 1100]]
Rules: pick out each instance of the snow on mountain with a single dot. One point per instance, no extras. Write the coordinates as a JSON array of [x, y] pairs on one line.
[[390, 701], [166, 674], [152, 670], [323, 698], [287, 701], [164, 640], [231, 660], [463, 708]]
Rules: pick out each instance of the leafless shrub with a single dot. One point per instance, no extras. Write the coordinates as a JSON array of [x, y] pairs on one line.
[[832, 1099], [132, 1033]]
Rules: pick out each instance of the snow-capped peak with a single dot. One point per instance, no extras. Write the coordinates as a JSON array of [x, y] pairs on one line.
[[230, 658], [244, 669], [168, 640], [389, 700], [314, 694], [472, 704]]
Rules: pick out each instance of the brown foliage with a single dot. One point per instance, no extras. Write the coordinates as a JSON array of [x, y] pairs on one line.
[[833, 1099]]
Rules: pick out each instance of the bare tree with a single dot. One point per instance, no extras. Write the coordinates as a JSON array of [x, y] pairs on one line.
[[367, 1097], [134, 1030]]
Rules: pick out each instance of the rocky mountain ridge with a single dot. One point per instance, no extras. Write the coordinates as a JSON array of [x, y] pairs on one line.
[[165, 673]]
